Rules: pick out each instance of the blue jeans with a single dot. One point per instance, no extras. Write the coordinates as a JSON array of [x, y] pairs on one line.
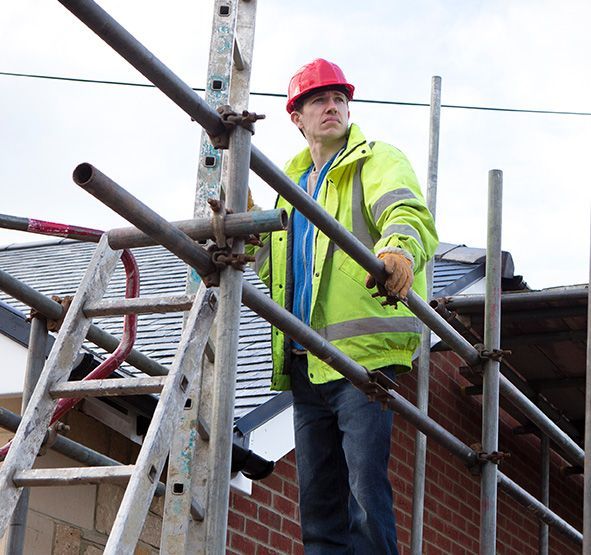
[[342, 451]]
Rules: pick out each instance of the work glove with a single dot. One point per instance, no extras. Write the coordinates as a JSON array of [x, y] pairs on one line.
[[249, 202], [400, 276]]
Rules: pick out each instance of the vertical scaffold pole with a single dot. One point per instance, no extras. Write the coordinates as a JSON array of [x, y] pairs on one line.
[[224, 380], [544, 492], [587, 465], [15, 540], [490, 394], [418, 494]]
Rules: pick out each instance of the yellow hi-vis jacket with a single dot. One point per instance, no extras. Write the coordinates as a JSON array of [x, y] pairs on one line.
[[373, 192]]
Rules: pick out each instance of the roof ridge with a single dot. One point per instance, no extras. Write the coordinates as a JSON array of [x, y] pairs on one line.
[[33, 244]]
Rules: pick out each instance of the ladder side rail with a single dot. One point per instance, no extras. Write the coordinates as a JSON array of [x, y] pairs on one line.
[[218, 397], [148, 468], [211, 173], [35, 420]]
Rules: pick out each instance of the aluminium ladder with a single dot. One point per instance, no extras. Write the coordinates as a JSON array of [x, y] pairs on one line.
[[142, 478], [191, 470]]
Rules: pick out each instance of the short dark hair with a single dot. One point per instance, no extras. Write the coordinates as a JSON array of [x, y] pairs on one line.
[[299, 103]]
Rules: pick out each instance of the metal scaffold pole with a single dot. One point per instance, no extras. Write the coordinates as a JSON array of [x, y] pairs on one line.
[[490, 395], [418, 493], [544, 491], [15, 541], [587, 463], [224, 382]]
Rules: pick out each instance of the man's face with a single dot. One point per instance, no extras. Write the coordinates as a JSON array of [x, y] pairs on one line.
[[324, 116]]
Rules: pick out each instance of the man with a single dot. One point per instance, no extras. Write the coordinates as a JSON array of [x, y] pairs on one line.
[[343, 439]]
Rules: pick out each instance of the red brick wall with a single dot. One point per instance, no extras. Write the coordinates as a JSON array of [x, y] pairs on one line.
[[267, 522]]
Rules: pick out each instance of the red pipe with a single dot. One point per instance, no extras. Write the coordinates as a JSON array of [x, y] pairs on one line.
[[132, 291]]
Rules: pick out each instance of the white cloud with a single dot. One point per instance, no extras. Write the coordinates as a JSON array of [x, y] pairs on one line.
[[503, 53]]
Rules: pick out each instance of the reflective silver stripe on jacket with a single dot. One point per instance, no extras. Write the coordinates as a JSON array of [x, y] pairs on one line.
[[389, 198], [403, 229], [370, 326], [262, 255], [358, 222], [359, 225]]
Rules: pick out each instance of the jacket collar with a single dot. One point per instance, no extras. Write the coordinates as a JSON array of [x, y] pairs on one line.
[[350, 154]]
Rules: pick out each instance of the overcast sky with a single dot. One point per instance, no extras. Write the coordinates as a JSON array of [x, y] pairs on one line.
[[515, 54]]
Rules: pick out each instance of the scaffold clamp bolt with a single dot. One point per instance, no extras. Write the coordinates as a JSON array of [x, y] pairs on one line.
[[492, 354]]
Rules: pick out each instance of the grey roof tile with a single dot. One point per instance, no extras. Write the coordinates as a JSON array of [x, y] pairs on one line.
[[57, 267]]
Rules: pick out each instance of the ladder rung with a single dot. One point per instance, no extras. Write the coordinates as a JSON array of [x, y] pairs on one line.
[[72, 476], [145, 305], [108, 388]]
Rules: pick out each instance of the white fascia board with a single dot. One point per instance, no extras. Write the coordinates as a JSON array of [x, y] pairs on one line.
[[14, 361], [272, 440], [275, 438]]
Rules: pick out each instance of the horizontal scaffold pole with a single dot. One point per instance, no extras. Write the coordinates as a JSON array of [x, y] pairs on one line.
[[201, 229], [53, 311]]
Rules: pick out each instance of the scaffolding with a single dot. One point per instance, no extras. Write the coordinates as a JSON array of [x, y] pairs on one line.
[[233, 131]]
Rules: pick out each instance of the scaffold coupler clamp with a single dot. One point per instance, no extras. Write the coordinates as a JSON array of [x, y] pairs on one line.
[[377, 388], [230, 119], [53, 325], [51, 436], [482, 457], [218, 220], [492, 354]]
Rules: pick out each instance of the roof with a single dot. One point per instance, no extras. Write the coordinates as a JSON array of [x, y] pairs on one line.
[[546, 332], [56, 267]]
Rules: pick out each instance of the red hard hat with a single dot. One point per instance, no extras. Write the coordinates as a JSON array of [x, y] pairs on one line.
[[316, 74]]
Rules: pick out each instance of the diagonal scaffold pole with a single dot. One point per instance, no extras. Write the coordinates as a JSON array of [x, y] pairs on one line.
[[154, 225]]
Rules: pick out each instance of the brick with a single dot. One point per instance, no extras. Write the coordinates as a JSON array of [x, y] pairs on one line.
[[236, 521], [257, 531], [273, 482], [91, 550], [291, 529], [281, 543], [157, 506], [109, 498], [262, 494], [263, 550], [67, 540], [269, 518], [143, 549], [245, 506], [152, 530], [242, 544], [285, 506]]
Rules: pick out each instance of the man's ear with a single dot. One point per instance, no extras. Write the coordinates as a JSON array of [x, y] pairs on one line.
[[296, 118]]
